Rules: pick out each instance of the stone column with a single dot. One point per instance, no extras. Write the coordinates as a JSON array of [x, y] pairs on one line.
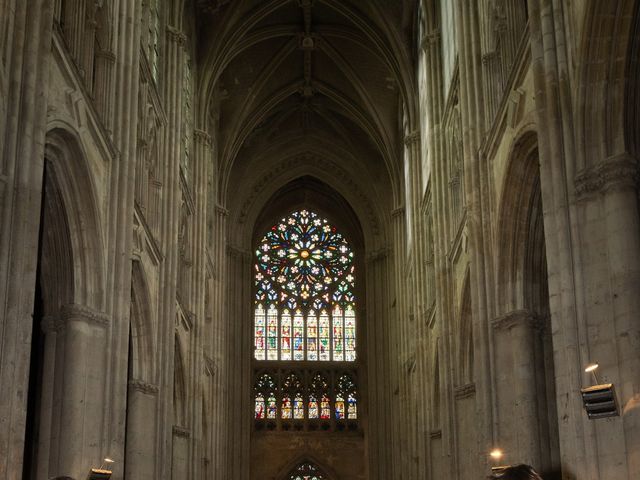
[[221, 348], [142, 407], [172, 78], [21, 168], [478, 222], [516, 337], [119, 231], [379, 395], [78, 384], [399, 339]]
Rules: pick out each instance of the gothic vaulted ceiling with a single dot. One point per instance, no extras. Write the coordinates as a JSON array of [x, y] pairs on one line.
[[315, 81]]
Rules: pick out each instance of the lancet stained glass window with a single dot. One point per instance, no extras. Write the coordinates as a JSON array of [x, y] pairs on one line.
[[304, 304]]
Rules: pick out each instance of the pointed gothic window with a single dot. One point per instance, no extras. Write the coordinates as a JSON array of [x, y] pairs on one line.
[[304, 328], [304, 267], [306, 471]]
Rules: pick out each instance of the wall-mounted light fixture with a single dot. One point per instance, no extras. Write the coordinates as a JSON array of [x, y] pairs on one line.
[[101, 473], [599, 400], [497, 455]]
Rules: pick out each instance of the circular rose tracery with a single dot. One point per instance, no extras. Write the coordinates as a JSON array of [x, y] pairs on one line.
[[302, 262]]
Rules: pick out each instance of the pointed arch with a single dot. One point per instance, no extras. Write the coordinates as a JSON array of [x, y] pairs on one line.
[[289, 468], [142, 331], [464, 342], [179, 385], [73, 177], [519, 220]]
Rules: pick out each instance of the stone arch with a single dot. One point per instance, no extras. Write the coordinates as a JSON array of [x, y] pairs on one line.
[[632, 93], [608, 31], [464, 355], [435, 390], [179, 385], [69, 166], [142, 331], [288, 469], [518, 219]]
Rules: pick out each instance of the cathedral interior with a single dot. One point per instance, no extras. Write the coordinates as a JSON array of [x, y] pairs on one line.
[[319, 239]]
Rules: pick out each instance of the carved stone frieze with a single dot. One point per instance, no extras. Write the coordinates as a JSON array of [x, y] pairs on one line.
[[182, 432], [467, 390], [176, 35], [412, 138], [614, 173], [144, 387], [518, 318], [74, 312]]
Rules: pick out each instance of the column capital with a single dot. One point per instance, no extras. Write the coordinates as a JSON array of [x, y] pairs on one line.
[[397, 212], [221, 211], [618, 172], [412, 138], [182, 432], [201, 136], [515, 318], [176, 35], [430, 38], [144, 387]]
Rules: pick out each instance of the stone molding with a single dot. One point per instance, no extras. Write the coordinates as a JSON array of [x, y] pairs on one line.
[[431, 38], [51, 324], [378, 255], [316, 161], [144, 387], [221, 211], [465, 391], [517, 317], [619, 172], [396, 212], [203, 137], [74, 313], [412, 138], [176, 35], [236, 252], [182, 432]]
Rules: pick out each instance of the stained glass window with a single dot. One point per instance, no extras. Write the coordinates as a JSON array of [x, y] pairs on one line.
[[306, 471], [304, 268], [346, 388]]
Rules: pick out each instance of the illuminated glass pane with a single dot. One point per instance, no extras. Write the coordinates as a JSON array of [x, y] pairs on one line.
[[325, 408], [338, 334], [339, 407], [312, 336], [350, 334], [352, 408], [298, 336], [272, 408], [304, 265], [285, 336], [298, 407], [286, 407], [313, 407], [259, 333], [259, 407], [324, 353], [306, 471], [272, 333]]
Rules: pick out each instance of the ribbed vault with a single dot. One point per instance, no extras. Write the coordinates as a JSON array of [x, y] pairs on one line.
[[300, 74]]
